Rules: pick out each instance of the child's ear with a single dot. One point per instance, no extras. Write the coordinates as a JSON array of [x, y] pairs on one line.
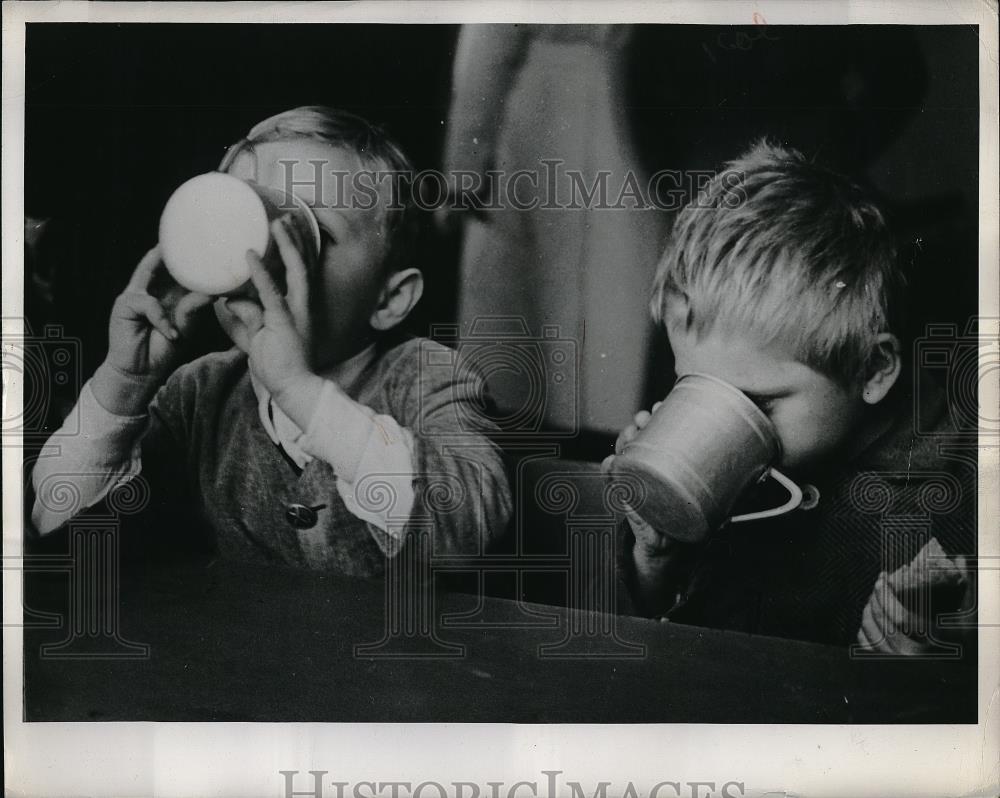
[[884, 370], [677, 312], [402, 291]]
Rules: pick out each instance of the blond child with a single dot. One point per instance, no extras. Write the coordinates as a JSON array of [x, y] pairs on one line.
[[322, 437], [781, 279]]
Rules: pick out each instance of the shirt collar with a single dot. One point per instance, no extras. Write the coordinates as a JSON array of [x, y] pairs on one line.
[[345, 373], [281, 429]]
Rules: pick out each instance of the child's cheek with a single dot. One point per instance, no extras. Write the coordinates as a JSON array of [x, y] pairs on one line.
[[794, 431], [350, 293], [807, 436]]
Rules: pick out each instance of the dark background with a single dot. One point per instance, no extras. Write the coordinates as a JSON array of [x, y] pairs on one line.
[[117, 116]]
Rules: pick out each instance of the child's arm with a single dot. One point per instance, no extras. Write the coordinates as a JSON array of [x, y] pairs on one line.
[[434, 446], [77, 468], [361, 446], [430, 466], [656, 571], [144, 347]]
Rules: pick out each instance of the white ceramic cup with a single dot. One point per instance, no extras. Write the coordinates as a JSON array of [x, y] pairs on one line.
[[210, 222]]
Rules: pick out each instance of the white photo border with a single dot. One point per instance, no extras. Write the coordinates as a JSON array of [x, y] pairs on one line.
[[174, 759]]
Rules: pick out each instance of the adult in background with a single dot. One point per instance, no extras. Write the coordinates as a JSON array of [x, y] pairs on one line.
[[549, 100]]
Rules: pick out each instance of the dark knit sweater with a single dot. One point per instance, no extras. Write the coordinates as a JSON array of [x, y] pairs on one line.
[[808, 575], [210, 463]]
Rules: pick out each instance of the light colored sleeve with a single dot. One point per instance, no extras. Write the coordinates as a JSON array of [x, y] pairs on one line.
[[360, 444], [78, 466]]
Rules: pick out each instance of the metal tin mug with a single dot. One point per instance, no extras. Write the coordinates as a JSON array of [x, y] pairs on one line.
[[702, 448], [210, 222]]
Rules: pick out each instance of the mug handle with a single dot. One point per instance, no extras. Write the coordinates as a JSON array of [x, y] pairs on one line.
[[795, 499]]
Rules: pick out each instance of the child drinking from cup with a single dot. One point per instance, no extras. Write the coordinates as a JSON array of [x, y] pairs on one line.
[[322, 437], [781, 281]]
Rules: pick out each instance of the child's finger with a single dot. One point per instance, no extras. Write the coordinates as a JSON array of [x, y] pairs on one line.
[[901, 576], [872, 639], [234, 313], [883, 631], [641, 530], [640, 527], [862, 638], [135, 305], [296, 273], [626, 435], [606, 463], [895, 621], [882, 618], [246, 310], [270, 296], [870, 633], [143, 274], [657, 406], [188, 305], [642, 418], [895, 640], [896, 615], [969, 596], [962, 565]]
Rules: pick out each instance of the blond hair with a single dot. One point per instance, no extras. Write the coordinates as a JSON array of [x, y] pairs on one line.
[[370, 143], [783, 249]]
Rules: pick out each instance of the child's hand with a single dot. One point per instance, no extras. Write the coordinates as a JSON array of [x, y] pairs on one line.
[[649, 542], [888, 626], [276, 334], [640, 420], [661, 562], [145, 336]]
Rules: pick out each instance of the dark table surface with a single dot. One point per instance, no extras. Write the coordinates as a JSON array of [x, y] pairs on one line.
[[236, 642]]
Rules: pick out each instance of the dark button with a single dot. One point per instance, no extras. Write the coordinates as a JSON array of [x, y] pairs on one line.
[[301, 517]]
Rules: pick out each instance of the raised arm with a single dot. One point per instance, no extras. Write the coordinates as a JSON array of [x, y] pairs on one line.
[[146, 337]]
